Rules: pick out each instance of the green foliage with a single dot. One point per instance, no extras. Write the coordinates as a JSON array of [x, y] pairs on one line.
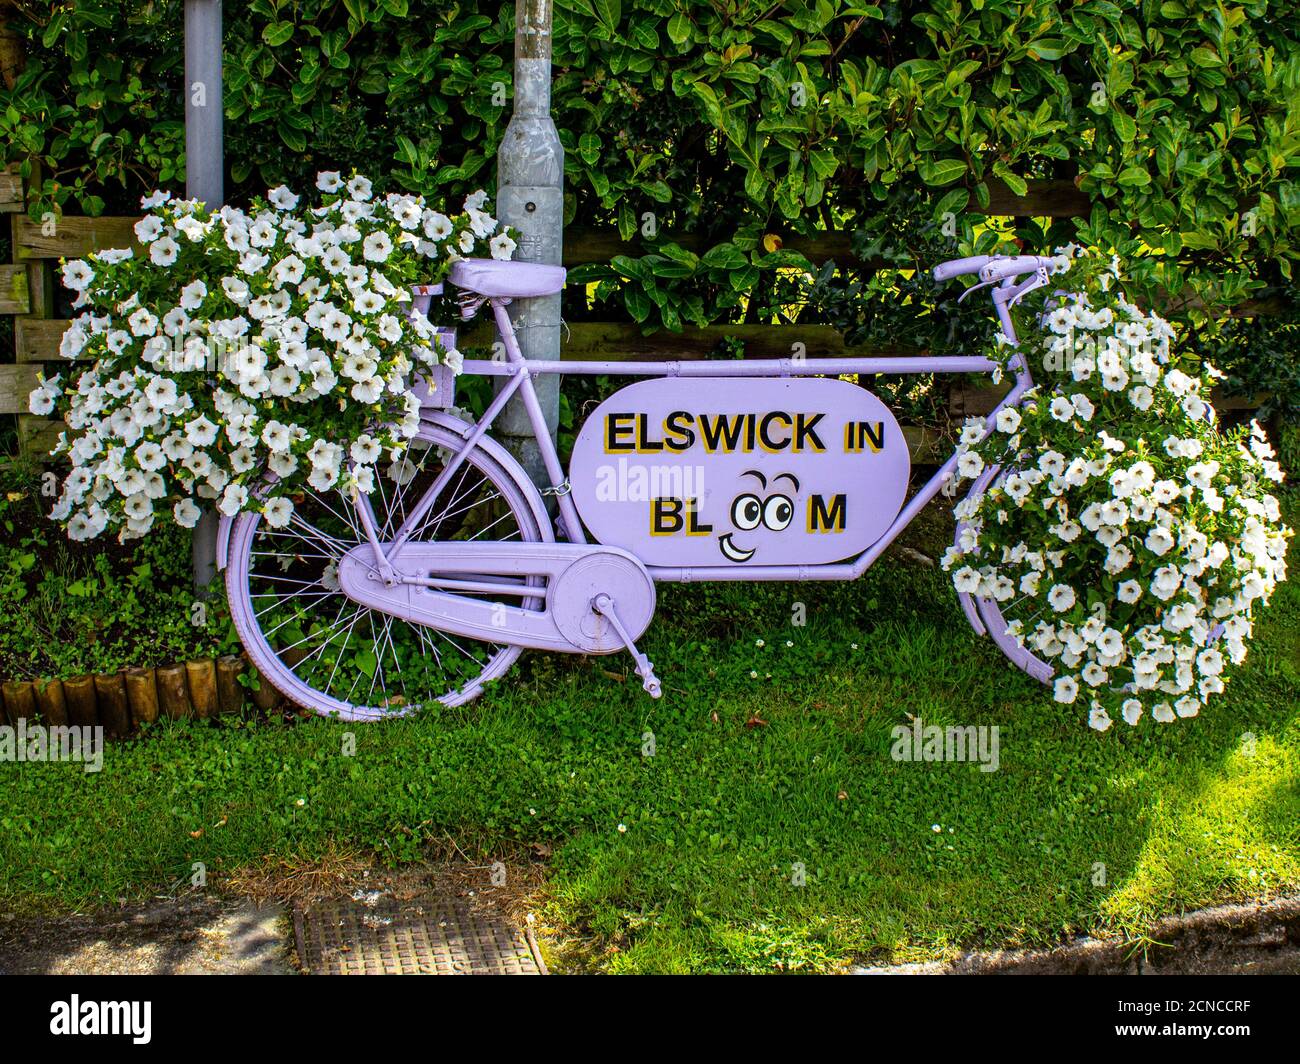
[[67, 610], [1177, 118], [99, 103], [1259, 356]]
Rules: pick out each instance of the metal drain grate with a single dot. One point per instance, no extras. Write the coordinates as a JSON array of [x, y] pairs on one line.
[[379, 935]]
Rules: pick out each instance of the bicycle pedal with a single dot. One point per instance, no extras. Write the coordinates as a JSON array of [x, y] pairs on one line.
[[604, 605]]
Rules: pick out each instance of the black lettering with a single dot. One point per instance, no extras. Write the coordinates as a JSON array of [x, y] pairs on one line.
[[645, 445], [666, 517], [679, 436], [824, 519], [805, 428], [764, 436], [617, 425], [721, 430]]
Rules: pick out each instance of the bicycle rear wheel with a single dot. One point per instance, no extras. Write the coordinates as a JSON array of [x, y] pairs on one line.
[[337, 657]]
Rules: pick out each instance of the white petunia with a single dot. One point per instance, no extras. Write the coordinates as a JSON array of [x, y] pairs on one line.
[[1061, 409], [970, 464], [1065, 689], [1098, 718], [282, 199], [233, 500], [193, 294], [1008, 419], [163, 252], [1061, 597], [377, 247], [1129, 591], [186, 513], [502, 247], [278, 512]]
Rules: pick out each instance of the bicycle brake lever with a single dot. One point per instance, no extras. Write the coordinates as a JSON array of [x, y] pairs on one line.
[[973, 288], [1038, 279]]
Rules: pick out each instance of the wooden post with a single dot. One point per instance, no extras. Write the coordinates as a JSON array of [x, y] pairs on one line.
[[266, 697], [83, 710], [20, 701], [51, 703], [110, 691], [173, 694], [12, 58], [230, 692], [202, 677], [142, 694]]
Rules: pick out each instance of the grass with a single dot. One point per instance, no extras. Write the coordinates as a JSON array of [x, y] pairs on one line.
[[769, 830]]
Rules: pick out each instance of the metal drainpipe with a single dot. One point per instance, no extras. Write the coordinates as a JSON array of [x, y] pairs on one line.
[[204, 180], [530, 197]]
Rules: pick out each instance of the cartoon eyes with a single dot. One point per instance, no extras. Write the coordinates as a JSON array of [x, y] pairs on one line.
[[777, 512], [749, 511], [746, 512]]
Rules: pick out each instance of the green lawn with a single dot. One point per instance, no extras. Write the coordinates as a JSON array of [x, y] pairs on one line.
[[687, 860]]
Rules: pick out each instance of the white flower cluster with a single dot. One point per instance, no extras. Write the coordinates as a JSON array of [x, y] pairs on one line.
[[1125, 538], [239, 344]]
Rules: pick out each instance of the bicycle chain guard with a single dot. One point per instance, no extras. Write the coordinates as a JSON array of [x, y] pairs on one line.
[[557, 584]]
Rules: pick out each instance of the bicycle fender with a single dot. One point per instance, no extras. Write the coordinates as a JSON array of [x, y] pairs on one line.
[[223, 541]]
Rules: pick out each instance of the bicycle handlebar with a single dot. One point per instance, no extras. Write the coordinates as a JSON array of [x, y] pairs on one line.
[[946, 271], [992, 267]]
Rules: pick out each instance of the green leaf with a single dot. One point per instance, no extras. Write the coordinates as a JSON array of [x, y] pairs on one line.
[[953, 202], [724, 257], [610, 12], [296, 139], [1048, 49], [1133, 176], [637, 303], [941, 171], [366, 661], [679, 29], [1013, 181], [276, 33], [1124, 126]]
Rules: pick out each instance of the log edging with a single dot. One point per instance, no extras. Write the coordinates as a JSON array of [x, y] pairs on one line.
[[119, 702]]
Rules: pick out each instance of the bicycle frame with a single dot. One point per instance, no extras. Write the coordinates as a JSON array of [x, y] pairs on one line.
[[519, 374]]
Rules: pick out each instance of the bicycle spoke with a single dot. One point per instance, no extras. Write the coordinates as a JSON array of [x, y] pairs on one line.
[[361, 660]]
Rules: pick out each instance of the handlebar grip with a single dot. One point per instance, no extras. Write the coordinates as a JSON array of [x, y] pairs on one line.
[[945, 271]]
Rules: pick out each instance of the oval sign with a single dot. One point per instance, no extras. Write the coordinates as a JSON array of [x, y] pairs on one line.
[[693, 471]]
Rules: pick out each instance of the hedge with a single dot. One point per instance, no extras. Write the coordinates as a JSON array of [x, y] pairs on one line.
[[732, 119]]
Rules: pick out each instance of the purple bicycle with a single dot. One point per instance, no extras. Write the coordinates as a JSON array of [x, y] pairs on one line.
[[434, 584]]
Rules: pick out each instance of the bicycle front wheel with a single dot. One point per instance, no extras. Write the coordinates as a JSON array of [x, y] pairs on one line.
[[1007, 623], [334, 656]]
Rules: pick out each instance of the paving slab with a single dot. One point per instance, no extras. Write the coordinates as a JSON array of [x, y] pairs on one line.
[[190, 936]]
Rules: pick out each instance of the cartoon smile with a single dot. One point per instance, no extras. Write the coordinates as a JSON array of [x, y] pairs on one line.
[[749, 512], [733, 553]]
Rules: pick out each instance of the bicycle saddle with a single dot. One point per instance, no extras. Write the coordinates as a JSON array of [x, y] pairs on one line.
[[496, 279]]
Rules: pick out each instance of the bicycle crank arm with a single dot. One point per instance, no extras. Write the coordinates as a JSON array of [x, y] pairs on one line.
[[551, 588]]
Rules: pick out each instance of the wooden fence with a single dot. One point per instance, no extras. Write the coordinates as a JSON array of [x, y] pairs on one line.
[[27, 293]]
